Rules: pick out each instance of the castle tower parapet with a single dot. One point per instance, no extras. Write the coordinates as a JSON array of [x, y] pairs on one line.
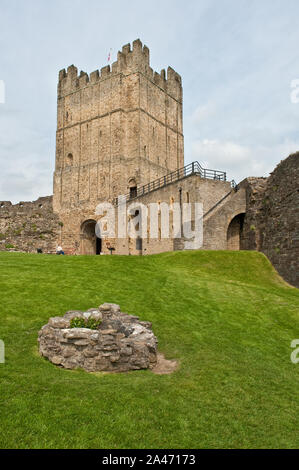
[[128, 61]]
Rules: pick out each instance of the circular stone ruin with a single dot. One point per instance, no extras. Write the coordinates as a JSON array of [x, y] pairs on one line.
[[120, 343]]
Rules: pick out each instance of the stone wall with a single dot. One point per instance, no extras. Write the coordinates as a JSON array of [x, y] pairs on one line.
[[27, 226], [272, 222], [218, 199], [31, 225], [255, 189], [217, 221], [220, 204]]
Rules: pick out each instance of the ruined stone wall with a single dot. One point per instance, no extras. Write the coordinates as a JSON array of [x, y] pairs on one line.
[[272, 221], [255, 189], [27, 226], [220, 205], [192, 189], [120, 343], [122, 123]]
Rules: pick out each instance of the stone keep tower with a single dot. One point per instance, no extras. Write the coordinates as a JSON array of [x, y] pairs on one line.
[[116, 129]]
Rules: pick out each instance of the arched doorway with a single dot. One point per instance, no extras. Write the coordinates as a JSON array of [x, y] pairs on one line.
[[90, 243], [234, 233]]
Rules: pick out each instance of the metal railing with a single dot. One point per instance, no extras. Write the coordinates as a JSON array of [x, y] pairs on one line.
[[193, 168]]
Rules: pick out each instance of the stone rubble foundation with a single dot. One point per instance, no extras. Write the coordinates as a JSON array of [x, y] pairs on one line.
[[121, 343]]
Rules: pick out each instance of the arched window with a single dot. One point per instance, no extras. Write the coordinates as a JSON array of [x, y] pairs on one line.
[[69, 159], [133, 188]]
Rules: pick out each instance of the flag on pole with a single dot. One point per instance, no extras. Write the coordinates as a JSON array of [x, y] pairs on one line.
[[109, 55]]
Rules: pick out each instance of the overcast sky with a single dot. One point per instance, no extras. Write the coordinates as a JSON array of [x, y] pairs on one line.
[[237, 59]]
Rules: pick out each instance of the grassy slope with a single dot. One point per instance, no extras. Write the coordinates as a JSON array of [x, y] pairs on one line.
[[226, 316]]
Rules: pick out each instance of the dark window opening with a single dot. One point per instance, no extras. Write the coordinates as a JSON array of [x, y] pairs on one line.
[[133, 192], [138, 243], [69, 159]]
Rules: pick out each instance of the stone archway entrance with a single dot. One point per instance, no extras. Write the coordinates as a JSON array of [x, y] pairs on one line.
[[90, 243], [234, 232]]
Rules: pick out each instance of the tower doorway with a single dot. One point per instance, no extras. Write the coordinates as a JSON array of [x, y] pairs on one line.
[[98, 246], [90, 243], [235, 232]]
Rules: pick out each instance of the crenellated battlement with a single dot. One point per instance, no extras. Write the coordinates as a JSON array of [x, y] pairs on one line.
[[129, 60]]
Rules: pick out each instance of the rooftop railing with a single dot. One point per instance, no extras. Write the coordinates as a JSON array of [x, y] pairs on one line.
[[193, 168]]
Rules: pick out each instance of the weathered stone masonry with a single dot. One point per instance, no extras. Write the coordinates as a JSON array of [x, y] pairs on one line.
[[121, 342], [272, 217], [27, 226]]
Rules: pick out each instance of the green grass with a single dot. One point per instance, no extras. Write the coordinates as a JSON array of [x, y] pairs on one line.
[[225, 316]]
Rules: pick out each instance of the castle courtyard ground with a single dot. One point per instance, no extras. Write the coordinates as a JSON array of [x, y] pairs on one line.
[[226, 317]]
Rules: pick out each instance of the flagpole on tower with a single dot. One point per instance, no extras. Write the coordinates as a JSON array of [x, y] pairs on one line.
[[109, 56]]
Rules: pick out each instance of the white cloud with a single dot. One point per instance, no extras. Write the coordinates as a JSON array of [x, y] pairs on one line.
[[240, 161], [27, 159], [203, 112], [218, 152]]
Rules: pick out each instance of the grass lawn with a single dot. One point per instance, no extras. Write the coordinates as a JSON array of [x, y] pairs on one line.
[[225, 316]]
